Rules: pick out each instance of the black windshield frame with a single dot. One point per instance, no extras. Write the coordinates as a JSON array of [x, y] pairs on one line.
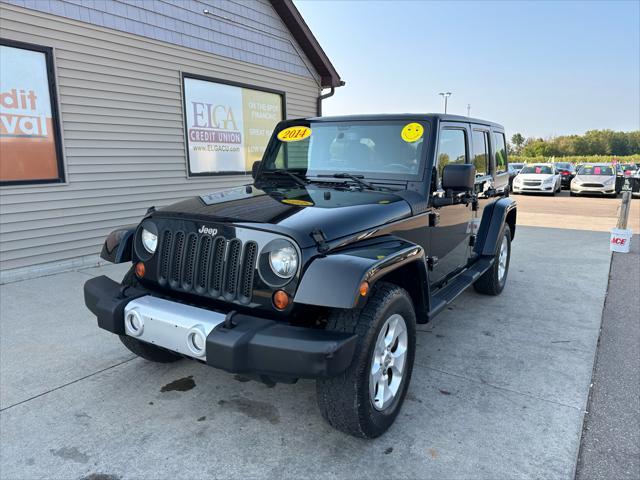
[[271, 153]]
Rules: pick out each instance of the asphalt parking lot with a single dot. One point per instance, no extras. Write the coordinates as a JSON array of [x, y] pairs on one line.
[[580, 213], [499, 390]]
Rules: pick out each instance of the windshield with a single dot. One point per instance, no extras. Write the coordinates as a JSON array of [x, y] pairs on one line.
[[563, 165], [372, 149], [595, 170], [516, 166], [631, 167], [541, 169]]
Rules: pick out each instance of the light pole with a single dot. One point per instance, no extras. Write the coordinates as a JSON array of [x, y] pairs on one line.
[[445, 95], [468, 109]]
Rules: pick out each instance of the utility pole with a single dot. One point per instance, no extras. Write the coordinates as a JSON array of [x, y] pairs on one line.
[[445, 95], [468, 109]]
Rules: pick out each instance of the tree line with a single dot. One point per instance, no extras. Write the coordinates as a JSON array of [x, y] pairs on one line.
[[593, 142]]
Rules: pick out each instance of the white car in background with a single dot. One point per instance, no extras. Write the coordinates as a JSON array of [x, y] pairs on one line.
[[538, 178], [595, 178]]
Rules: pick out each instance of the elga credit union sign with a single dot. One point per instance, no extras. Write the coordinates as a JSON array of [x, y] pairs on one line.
[[228, 127], [28, 128]]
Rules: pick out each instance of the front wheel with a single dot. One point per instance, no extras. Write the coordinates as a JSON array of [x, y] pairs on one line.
[[365, 399], [492, 282]]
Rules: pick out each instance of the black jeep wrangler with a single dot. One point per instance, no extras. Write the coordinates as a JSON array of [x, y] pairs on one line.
[[353, 230]]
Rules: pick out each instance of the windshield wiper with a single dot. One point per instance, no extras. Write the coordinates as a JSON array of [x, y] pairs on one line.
[[355, 178], [296, 178]]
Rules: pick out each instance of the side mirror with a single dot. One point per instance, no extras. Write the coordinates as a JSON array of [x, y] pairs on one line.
[[254, 168], [459, 178]]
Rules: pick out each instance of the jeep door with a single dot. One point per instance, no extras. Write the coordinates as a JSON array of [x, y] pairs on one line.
[[449, 239], [484, 184], [490, 160], [499, 160]]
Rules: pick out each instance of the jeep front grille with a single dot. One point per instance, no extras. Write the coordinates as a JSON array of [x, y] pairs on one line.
[[206, 265]]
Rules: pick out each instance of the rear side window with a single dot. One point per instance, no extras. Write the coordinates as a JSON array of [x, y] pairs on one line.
[[500, 152], [481, 152], [452, 148]]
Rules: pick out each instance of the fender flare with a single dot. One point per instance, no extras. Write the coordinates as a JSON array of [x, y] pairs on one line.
[[334, 280], [118, 245], [494, 217]]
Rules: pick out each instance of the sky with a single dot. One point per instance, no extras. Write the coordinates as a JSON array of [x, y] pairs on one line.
[[540, 68]]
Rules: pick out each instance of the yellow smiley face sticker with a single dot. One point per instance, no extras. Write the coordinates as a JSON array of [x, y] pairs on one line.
[[297, 203], [412, 132], [294, 134]]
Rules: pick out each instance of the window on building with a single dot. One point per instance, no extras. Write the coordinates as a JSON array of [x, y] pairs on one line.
[[30, 150], [500, 152], [227, 126], [481, 152], [452, 148]]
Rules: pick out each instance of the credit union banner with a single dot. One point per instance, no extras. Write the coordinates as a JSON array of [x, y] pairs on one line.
[[27, 131], [227, 127]]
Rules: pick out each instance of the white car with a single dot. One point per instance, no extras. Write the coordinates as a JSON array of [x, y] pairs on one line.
[[538, 178], [595, 178]]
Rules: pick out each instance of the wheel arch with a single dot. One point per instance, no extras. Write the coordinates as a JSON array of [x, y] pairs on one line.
[[340, 275], [494, 217], [118, 245]]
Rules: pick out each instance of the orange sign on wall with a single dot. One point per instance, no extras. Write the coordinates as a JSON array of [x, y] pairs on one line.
[[29, 150]]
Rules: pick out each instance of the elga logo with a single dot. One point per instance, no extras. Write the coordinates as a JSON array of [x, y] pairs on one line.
[[208, 231]]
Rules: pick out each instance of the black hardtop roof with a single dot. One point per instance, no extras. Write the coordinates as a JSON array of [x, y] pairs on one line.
[[405, 116]]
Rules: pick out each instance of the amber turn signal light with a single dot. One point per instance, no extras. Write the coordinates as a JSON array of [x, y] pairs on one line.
[[280, 299], [140, 269], [364, 289]]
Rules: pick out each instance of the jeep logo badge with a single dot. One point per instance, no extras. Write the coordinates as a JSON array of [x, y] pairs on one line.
[[208, 231]]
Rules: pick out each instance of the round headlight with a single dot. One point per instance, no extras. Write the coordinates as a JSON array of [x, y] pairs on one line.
[[149, 240], [284, 261]]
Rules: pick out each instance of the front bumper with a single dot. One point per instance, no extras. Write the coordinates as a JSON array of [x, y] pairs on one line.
[[533, 188], [604, 190], [239, 344]]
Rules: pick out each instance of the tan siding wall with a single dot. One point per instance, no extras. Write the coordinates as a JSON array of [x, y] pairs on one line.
[[121, 109]]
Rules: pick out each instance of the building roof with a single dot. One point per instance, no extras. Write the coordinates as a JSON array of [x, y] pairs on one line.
[[301, 32]]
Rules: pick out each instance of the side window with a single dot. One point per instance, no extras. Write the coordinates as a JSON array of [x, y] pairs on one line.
[[452, 148], [500, 152], [481, 152]]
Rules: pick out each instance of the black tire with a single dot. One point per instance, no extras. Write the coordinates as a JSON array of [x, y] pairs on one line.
[[490, 283], [344, 400], [571, 194], [142, 349]]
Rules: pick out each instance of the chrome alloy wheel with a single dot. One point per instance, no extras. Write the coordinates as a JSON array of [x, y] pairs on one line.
[[502, 258], [388, 363]]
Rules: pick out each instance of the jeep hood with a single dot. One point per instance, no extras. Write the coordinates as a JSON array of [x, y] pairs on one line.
[[594, 178], [294, 211]]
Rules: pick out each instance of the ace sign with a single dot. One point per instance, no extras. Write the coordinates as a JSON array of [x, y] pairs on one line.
[[227, 126]]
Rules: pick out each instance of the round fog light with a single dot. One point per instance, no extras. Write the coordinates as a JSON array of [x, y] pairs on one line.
[[197, 341], [133, 323]]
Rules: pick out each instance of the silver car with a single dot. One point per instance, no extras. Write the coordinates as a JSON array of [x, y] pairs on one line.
[[595, 178], [537, 178]]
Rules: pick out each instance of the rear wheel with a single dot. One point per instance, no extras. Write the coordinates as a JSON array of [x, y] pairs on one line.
[[492, 282], [365, 399], [143, 349]]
